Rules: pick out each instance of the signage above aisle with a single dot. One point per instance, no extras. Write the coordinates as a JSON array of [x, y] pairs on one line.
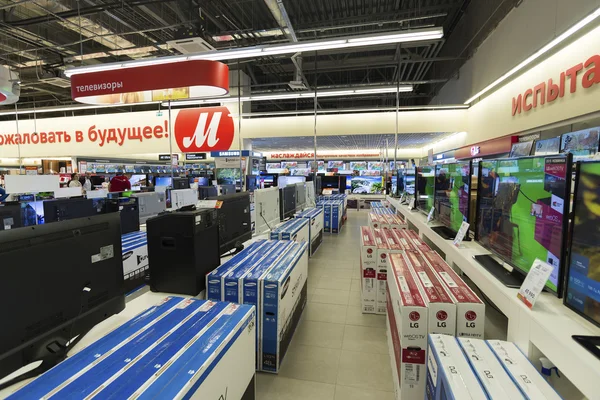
[[305, 155]]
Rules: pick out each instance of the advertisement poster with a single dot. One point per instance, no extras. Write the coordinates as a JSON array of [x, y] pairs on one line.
[[273, 166], [368, 172], [289, 164]]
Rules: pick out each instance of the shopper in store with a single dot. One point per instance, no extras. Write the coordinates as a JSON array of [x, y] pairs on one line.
[[120, 183], [87, 182], [74, 182]]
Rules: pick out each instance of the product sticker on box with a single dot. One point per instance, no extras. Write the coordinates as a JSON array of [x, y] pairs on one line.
[[535, 282]]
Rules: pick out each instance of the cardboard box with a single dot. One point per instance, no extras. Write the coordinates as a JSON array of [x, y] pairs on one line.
[[408, 312], [470, 310], [198, 345], [442, 310], [374, 222], [368, 269], [337, 215], [316, 219], [415, 241], [522, 373], [284, 296], [326, 216], [389, 245], [135, 259], [491, 374], [449, 375]]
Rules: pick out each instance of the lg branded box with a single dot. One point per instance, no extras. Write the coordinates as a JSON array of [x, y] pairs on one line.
[[442, 310], [177, 349], [284, 294], [470, 310], [491, 374], [374, 220], [407, 317], [449, 375], [135, 259], [522, 373], [413, 240], [368, 269], [392, 246]]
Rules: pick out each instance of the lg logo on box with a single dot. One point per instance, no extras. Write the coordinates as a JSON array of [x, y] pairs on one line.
[[441, 316], [414, 316], [470, 316], [204, 129]]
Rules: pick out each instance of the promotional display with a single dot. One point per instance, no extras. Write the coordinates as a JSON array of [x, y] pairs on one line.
[[452, 197], [522, 208], [425, 188]]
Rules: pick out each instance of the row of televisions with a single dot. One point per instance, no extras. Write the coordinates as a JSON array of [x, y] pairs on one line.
[[523, 212]]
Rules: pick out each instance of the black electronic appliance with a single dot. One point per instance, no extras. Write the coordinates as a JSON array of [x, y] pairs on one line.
[[77, 283], [204, 192], [252, 183], [65, 209], [10, 216], [227, 189], [287, 202], [235, 226], [128, 207], [331, 182], [343, 183], [183, 247], [181, 183], [452, 198]]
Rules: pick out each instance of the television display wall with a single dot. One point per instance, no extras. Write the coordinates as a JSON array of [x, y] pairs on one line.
[[452, 193], [425, 183]]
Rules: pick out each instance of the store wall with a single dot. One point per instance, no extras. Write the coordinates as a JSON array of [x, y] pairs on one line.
[[522, 32]]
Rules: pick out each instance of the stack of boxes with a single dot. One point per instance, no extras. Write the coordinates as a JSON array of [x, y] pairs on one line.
[[296, 230], [333, 212], [315, 227]]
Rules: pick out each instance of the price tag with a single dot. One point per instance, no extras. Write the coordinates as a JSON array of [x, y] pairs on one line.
[[402, 198], [534, 282], [411, 205], [460, 235], [430, 216], [209, 204]]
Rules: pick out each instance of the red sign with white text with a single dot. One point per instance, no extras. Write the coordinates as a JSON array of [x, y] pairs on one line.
[[204, 129]]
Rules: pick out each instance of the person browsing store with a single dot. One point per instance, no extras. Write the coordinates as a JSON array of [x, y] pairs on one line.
[[120, 183]]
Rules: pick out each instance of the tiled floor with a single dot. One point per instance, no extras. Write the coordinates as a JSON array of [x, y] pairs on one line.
[[337, 352]]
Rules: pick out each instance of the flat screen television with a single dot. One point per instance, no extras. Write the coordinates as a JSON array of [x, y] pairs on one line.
[[581, 143], [181, 183], [202, 180], [235, 226], [138, 181], [227, 189], [547, 147], [228, 176], [56, 307], [409, 181], [268, 180], [266, 204], [366, 184], [300, 195], [204, 192], [287, 201], [582, 291], [330, 182], [163, 181], [425, 182], [522, 149], [290, 180], [522, 209], [252, 183], [452, 195], [32, 213], [65, 209]]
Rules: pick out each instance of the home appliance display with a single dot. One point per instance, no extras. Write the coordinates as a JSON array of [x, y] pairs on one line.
[[452, 197], [582, 291], [235, 226], [547, 147], [87, 252], [522, 149], [227, 189], [365, 184], [287, 201], [522, 208], [163, 181], [581, 143], [425, 183]]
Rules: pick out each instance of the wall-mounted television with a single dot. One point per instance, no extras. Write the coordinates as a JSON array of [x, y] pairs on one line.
[[522, 214], [581, 143], [452, 195], [547, 147], [522, 149], [425, 188]]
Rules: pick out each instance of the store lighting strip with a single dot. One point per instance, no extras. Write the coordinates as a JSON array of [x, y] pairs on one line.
[[574, 29], [61, 109], [354, 110], [412, 35]]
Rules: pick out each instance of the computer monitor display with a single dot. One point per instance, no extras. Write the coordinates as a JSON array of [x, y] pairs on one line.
[[57, 262], [32, 213], [287, 201], [163, 181], [268, 180], [425, 188], [521, 149], [580, 143], [290, 180], [452, 194], [227, 189], [235, 226], [181, 183], [409, 181], [202, 181], [547, 147], [582, 293], [522, 208]]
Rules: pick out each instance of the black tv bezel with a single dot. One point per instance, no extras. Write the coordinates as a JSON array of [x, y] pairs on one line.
[[570, 253], [417, 193], [470, 162], [565, 224], [228, 198]]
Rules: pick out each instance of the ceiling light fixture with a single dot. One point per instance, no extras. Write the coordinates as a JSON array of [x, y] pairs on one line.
[[260, 51], [565, 35]]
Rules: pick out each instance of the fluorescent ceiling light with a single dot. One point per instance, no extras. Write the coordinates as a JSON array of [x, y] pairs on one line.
[[89, 56], [565, 35], [261, 51]]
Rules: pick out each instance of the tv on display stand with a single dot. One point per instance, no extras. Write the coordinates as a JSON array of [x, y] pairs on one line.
[[448, 233], [511, 279]]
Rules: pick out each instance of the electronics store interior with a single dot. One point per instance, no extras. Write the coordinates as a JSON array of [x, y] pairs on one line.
[[300, 200]]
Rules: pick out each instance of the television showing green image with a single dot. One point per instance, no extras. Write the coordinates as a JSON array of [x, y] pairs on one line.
[[522, 210], [366, 184], [228, 176], [425, 183], [452, 193]]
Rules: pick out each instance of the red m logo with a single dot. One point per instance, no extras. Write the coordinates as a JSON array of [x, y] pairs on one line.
[[204, 129]]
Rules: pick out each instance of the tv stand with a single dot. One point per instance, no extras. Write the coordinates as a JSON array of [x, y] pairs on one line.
[[509, 279], [448, 233]]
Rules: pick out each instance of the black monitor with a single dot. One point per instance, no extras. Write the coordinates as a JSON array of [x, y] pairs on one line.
[[181, 183], [227, 189], [65, 209], [452, 197], [10, 216], [204, 192], [49, 298], [330, 182], [235, 226], [343, 183], [287, 202], [128, 208]]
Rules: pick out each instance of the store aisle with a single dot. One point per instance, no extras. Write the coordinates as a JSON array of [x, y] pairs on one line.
[[337, 352]]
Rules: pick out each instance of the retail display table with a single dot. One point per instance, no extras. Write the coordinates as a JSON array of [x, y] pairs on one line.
[[546, 330]]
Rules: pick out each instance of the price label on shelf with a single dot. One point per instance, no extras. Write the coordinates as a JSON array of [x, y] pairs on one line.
[[411, 205], [209, 204], [430, 216], [460, 235], [402, 198], [534, 282]]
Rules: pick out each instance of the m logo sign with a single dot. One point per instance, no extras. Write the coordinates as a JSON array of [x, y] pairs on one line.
[[204, 129]]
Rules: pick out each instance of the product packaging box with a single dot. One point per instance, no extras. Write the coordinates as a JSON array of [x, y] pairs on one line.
[[326, 216], [135, 259], [197, 345], [389, 245], [284, 296], [470, 310], [315, 225], [522, 373], [407, 317], [442, 310], [396, 222], [449, 375], [414, 240], [337, 215], [368, 269], [297, 231], [374, 220], [491, 374]]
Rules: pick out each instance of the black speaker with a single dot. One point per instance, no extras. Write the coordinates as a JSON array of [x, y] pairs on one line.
[[182, 248]]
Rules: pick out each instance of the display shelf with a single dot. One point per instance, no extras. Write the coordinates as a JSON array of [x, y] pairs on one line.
[[548, 327]]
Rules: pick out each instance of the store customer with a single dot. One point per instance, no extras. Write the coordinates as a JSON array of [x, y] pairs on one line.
[[120, 183], [74, 182], [87, 183]]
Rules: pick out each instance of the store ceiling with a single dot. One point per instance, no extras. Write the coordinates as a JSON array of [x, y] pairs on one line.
[[40, 38], [346, 142]]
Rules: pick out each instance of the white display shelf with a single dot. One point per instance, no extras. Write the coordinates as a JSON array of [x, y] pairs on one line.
[[548, 327]]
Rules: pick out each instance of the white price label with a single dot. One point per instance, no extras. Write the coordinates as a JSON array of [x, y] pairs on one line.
[[534, 282], [411, 205], [460, 235], [431, 213], [208, 204]]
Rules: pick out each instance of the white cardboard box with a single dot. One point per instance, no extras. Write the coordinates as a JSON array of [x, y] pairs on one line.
[[368, 269], [407, 316], [470, 310], [392, 246], [374, 220]]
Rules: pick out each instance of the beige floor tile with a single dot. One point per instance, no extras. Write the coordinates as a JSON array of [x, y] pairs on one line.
[[315, 364], [334, 283], [355, 299], [355, 285], [352, 393], [319, 334], [365, 339], [355, 316], [339, 273], [321, 312], [365, 371], [284, 388], [330, 296]]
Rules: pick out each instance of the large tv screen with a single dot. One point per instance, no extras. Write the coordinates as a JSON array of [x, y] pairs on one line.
[[547, 147], [522, 211], [580, 143], [425, 187], [366, 184], [409, 181], [582, 292], [452, 185]]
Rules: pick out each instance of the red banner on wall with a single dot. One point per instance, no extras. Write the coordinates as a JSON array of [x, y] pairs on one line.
[[488, 148]]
